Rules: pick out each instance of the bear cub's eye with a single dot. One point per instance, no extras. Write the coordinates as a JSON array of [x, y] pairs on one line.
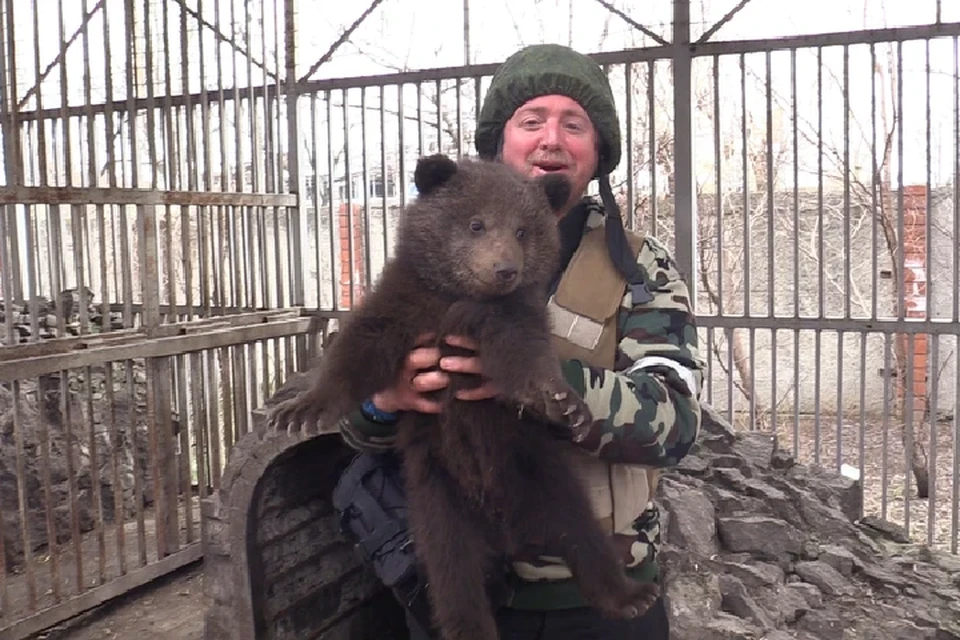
[[476, 226], [521, 234]]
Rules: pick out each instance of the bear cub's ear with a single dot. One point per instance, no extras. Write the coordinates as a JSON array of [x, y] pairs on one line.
[[557, 189], [433, 171]]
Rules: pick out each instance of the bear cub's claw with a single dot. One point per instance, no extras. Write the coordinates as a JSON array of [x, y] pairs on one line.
[[638, 599]]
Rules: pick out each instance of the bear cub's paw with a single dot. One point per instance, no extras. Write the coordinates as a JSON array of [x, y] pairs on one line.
[[635, 601], [557, 402]]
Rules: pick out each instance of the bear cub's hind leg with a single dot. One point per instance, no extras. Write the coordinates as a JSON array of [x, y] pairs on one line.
[[563, 516], [452, 547]]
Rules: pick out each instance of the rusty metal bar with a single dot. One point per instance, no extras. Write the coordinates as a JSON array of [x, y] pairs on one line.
[[62, 195], [44, 619]]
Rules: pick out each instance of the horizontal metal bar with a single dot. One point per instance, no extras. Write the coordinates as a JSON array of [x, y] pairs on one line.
[[317, 86], [125, 196], [73, 607], [834, 39], [152, 348], [123, 336], [849, 325]]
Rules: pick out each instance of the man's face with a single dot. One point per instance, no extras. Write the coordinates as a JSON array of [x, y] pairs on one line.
[[549, 134]]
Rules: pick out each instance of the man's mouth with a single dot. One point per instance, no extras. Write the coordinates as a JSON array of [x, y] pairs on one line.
[[549, 167]]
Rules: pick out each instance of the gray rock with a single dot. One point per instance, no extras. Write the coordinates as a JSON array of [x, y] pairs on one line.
[[787, 556], [810, 593], [736, 600], [840, 559], [823, 625], [692, 521], [824, 577], [757, 447], [771, 537]]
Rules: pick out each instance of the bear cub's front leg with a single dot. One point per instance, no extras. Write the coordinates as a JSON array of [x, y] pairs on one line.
[[515, 353]]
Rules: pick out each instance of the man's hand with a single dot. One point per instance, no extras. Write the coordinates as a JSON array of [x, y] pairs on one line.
[[468, 364], [413, 380]]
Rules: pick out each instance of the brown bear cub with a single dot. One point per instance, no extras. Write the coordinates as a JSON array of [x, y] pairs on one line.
[[475, 256]]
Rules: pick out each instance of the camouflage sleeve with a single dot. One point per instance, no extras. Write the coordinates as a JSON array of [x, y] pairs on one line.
[[365, 435], [647, 410]]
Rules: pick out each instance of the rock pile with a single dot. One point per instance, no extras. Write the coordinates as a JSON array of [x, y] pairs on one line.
[[756, 546], [49, 314], [41, 429]]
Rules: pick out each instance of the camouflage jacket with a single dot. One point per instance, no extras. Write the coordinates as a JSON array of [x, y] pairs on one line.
[[643, 415]]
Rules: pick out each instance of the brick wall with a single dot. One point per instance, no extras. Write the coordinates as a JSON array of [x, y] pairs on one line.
[[351, 224], [915, 290]]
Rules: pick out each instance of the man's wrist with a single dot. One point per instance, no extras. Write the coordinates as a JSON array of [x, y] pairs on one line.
[[371, 412]]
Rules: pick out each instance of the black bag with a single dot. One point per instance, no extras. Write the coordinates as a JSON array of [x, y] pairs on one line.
[[372, 504]]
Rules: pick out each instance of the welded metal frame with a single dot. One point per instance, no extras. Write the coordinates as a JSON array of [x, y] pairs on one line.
[[191, 335]]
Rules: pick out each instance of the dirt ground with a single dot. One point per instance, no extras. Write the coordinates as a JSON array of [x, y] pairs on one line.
[[169, 609]]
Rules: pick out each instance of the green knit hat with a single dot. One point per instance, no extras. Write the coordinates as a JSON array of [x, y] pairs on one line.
[[544, 69]]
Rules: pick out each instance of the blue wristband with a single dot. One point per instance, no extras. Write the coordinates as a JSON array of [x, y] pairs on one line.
[[371, 412]]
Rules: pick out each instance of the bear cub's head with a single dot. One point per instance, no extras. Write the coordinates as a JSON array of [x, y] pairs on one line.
[[480, 228]]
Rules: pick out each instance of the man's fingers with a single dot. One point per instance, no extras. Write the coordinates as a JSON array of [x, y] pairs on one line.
[[423, 358], [461, 364], [424, 339], [423, 405], [430, 381]]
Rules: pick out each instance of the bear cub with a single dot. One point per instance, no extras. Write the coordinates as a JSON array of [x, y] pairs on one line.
[[476, 253]]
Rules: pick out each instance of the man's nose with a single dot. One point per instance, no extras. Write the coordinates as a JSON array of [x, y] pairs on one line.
[[551, 134]]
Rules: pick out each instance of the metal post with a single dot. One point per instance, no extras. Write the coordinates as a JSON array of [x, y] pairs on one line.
[[685, 210], [295, 233]]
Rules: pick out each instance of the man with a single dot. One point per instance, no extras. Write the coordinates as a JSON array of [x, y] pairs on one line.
[[623, 327]]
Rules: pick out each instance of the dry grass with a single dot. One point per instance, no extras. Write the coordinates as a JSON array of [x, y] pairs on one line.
[[886, 493]]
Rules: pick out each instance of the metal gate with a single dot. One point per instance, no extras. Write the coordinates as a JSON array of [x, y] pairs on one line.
[[181, 197], [146, 269]]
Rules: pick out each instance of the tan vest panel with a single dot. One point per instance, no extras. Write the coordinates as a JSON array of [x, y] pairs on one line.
[[584, 317]]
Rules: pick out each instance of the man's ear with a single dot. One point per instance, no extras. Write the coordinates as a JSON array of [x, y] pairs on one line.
[[432, 172], [557, 189]]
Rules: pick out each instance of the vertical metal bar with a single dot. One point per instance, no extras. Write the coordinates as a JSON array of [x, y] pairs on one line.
[[458, 86], [652, 143], [839, 434], [334, 270], [934, 348], [402, 147], [466, 32], [885, 448], [47, 481], [348, 187], [821, 288], [22, 499], [126, 256], [861, 454], [685, 204], [315, 159], [384, 176], [771, 246], [628, 89], [747, 244], [718, 206], [955, 481], [876, 207], [365, 168], [420, 141]]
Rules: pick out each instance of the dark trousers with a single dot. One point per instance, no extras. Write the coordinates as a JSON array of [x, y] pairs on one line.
[[572, 624]]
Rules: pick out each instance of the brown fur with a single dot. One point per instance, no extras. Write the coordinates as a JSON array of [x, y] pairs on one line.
[[483, 479]]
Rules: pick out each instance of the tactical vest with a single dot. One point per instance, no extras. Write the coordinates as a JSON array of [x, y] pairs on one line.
[[584, 316]]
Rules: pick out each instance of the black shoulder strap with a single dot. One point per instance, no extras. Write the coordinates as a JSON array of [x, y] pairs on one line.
[[619, 248]]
